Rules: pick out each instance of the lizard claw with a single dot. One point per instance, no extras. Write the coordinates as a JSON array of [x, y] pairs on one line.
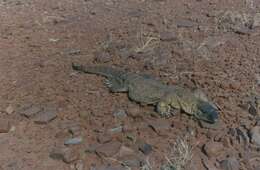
[[107, 83]]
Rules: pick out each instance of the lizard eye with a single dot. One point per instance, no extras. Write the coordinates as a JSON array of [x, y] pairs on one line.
[[207, 112]]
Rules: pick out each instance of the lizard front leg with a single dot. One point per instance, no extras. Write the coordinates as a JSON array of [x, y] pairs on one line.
[[167, 106]]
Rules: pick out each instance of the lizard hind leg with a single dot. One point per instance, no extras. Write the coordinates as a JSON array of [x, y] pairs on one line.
[[115, 85]]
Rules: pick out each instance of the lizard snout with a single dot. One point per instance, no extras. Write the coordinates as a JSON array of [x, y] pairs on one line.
[[207, 112]]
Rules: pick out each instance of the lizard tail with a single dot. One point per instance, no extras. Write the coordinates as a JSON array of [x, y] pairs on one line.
[[100, 70]]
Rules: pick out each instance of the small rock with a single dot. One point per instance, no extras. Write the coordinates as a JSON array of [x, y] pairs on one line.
[[124, 151], [168, 36], [185, 23], [209, 164], [120, 113], [214, 126], [133, 110], [135, 13], [230, 164], [213, 149], [159, 124], [145, 148], [4, 126], [118, 129], [256, 22], [45, 116], [75, 130], [104, 138], [109, 149], [68, 155], [30, 111], [73, 141], [132, 161], [255, 135], [9, 109]]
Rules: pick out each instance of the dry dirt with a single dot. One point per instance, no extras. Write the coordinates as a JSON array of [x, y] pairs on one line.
[[188, 43]]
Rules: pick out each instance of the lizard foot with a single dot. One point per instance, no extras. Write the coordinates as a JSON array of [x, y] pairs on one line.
[[164, 109], [115, 85]]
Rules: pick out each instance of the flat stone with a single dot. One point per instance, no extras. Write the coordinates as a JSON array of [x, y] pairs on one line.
[[68, 155], [73, 141], [168, 36], [4, 126], [184, 23], [213, 149], [46, 116], [125, 151], [109, 149], [9, 109], [132, 160], [31, 111], [230, 164], [255, 135], [159, 125]]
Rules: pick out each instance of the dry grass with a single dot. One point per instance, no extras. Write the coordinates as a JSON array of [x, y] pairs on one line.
[[181, 154], [146, 42]]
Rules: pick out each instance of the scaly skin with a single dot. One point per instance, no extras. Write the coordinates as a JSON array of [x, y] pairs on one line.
[[147, 90]]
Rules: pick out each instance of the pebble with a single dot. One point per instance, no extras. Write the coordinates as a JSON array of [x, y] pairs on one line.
[[133, 110], [31, 111], [230, 164], [4, 126], [168, 36], [120, 113], [73, 141], [255, 135], [68, 155], [109, 149], [213, 149], [45, 116], [145, 148], [9, 109]]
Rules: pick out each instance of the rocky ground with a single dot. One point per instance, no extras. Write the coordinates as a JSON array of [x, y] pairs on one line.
[[52, 117]]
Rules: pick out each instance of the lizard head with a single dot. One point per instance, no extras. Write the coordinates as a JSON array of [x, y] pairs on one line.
[[205, 111]]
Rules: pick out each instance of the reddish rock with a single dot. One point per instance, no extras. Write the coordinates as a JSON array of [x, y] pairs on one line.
[[68, 155], [4, 126], [213, 149], [109, 149]]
